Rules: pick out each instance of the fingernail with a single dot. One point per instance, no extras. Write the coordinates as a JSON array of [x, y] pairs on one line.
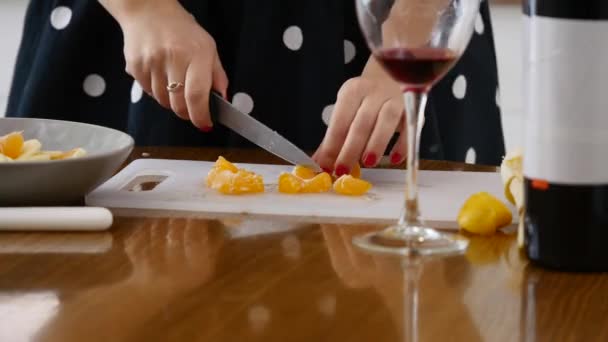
[[327, 170], [207, 129], [342, 170], [370, 159], [396, 158]]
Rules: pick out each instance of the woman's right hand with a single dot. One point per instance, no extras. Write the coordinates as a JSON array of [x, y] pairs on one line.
[[164, 44]]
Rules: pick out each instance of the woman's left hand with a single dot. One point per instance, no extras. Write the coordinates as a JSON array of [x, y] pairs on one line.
[[368, 111]]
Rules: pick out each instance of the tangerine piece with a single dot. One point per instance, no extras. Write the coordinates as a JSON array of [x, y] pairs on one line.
[[74, 153], [11, 144], [226, 178], [483, 214], [503, 214], [304, 172], [212, 176], [351, 186], [290, 183], [478, 220], [237, 183], [320, 183], [356, 171], [223, 164]]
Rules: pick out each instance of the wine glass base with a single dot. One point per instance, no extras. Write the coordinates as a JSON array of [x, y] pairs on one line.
[[411, 241]]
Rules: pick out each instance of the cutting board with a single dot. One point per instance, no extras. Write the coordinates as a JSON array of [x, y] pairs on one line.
[[152, 187]]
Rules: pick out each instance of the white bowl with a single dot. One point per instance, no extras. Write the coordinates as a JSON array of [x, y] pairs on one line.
[[61, 182]]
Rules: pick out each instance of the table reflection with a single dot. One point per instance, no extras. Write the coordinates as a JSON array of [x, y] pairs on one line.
[[558, 308], [436, 296], [55, 243], [169, 258]]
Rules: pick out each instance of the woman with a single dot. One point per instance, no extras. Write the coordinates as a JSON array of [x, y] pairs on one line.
[[281, 61]]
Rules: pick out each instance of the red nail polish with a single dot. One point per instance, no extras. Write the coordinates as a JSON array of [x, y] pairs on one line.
[[327, 170], [370, 159], [396, 158], [342, 170], [207, 129]]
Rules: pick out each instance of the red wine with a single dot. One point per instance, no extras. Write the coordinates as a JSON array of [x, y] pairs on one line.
[[565, 164], [418, 68]]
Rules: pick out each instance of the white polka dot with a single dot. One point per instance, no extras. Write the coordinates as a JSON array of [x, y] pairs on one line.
[[479, 25], [460, 87], [293, 38], [434, 148], [243, 102], [471, 156], [349, 51], [327, 112], [61, 17], [498, 97], [136, 92], [94, 85]]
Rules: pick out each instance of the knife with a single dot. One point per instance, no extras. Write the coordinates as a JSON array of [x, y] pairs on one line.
[[251, 129]]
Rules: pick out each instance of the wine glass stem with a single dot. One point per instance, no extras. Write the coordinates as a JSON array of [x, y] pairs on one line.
[[412, 270], [415, 104]]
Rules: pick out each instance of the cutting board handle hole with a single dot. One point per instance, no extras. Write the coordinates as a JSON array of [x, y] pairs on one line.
[[144, 183]]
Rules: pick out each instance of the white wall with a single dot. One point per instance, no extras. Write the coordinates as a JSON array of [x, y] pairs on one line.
[[507, 29], [11, 22], [507, 21]]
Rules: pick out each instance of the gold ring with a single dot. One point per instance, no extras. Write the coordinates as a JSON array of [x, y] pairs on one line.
[[175, 87]]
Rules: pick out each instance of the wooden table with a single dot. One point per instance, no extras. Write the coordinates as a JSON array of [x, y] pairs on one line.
[[195, 280]]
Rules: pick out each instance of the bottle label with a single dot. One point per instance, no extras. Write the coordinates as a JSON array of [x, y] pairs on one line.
[[566, 93]]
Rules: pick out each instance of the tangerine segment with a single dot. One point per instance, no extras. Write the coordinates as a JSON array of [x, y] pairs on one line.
[[355, 172], [223, 164], [290, 183], [30, 149], [483, 214], [236, 183], [212, 176], [503, 214], [11, 144], [478, 220], [74, 153], [226, 178], [351, 186], [303, 172], [320, 183]]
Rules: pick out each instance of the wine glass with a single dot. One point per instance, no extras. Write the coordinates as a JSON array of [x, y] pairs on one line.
[[417, 42]]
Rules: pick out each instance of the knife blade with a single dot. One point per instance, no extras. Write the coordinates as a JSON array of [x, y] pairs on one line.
[[253, 130]]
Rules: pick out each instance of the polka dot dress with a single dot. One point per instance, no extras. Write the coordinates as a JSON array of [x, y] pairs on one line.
[[286, 61]]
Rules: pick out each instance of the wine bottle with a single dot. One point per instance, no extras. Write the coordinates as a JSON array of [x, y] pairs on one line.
[[566, 134]]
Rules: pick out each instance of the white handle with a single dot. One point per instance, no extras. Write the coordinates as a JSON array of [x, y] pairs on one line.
[[55, 219]]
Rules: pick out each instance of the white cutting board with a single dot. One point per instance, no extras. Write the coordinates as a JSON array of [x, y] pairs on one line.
[[183, 192]]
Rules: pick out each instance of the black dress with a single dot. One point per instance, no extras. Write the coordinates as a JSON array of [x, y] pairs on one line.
[[285, 60]]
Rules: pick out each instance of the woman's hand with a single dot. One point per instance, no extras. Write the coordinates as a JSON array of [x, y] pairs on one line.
[[368, 111], [164, 44]]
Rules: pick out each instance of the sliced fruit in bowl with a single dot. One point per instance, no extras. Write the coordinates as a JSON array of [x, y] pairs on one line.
[[60, 163]]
